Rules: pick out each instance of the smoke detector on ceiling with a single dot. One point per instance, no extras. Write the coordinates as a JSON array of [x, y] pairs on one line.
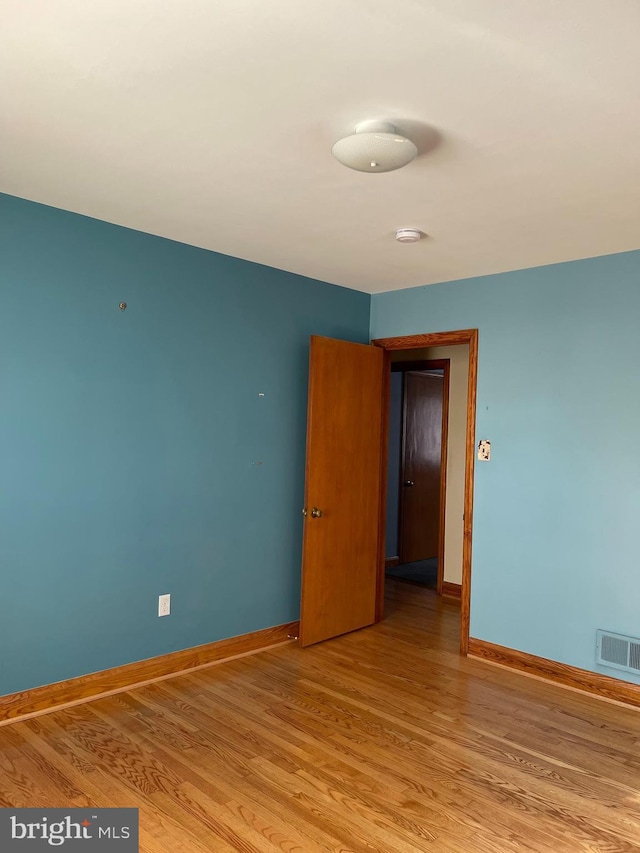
[[376, 146], [408, 235]]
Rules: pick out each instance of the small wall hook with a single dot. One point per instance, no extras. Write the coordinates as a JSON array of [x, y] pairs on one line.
[[123, 306]]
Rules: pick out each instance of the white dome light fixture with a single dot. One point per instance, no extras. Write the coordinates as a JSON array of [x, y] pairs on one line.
[[408, 235], [376, 146]]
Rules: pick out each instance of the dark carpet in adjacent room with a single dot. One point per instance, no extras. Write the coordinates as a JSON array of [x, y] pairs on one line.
[[424, 572]]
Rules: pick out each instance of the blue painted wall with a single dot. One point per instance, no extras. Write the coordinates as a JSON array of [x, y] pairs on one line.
[[555, 548], [137, 455]]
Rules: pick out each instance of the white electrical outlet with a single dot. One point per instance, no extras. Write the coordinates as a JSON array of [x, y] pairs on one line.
[[164, 605]]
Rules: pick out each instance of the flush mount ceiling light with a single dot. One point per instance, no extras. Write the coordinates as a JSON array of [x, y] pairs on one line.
[[374, 147]]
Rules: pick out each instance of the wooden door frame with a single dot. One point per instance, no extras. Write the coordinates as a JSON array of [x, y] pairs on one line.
[[404, 367], [435, 339]]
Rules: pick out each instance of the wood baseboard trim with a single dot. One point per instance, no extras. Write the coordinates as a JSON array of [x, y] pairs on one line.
[[571, 677], [390, 562], [452, 590], [75, 691]]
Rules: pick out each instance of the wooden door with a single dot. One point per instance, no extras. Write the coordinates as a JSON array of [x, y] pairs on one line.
[[342, 547], [420, 484]]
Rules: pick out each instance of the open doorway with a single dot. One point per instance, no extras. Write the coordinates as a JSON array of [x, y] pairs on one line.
[[461, 349], [343, 565], [416, 476], [446, 516]]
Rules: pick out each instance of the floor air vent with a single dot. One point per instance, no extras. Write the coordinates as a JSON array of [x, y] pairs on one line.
[[618, 651]]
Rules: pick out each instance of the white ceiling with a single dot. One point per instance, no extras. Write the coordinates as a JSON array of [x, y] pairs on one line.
[[211, 122]]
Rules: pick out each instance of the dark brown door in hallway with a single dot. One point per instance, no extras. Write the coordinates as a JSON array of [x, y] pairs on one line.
[[421, 463]]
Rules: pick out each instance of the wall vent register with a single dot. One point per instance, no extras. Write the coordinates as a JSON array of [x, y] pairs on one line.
[[618, 651]]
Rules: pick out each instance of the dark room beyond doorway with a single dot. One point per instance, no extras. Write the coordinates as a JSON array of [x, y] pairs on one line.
[[417, 459]]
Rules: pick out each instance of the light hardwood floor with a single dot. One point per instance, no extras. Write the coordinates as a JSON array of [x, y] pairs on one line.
[[383, 740]]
